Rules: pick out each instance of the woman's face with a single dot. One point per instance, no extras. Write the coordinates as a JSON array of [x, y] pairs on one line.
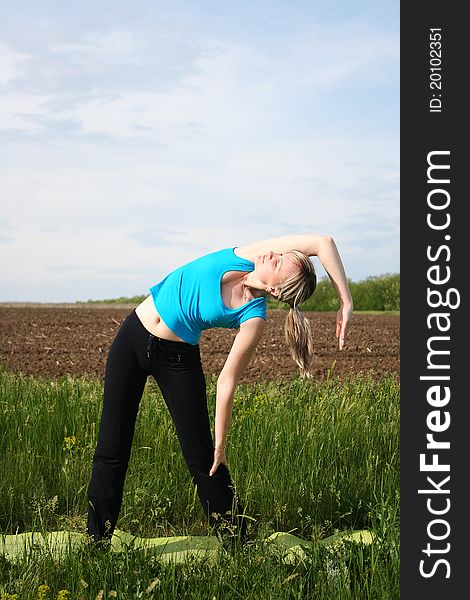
[[274, 269]]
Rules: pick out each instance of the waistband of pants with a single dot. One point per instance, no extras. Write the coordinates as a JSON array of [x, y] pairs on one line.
[[170, 343]]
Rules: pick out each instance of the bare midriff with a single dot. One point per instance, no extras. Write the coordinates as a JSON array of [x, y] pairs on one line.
[[152, 321]]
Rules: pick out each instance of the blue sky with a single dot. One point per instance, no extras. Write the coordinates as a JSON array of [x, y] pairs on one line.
[[136, 136]]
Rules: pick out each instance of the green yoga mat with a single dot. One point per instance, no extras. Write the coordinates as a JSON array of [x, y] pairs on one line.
[[177, 549]]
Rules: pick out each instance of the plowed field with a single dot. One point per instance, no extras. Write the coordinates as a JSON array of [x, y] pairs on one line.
[[54, 340]]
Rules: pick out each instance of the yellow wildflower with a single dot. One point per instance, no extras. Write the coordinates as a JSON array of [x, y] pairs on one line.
[[63, 595], [69, 442], [43, 592]]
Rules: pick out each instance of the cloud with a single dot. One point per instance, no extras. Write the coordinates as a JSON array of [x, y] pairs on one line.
[[4, 239], [5, 228], [214, 88], [137, 142], [169, 237], [67, 61], [113, 46], [11, 64], [64, 269], [23, 112]]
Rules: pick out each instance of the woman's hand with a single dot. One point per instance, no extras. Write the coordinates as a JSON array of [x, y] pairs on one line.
[[343, 317], [219, 458]]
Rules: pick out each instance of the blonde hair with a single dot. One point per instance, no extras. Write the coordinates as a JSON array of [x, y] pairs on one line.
[[297, 328]]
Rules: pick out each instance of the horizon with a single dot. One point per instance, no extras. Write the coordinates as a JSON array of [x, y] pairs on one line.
[[127, 299]]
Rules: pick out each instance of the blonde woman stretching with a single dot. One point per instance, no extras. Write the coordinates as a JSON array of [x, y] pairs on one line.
[[227, 288]]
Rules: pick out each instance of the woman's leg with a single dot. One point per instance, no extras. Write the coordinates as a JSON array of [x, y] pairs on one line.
[[124, 384], [177, 369]]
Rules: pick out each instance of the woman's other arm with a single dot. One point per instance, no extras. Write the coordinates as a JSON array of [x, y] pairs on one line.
[[238, 359]]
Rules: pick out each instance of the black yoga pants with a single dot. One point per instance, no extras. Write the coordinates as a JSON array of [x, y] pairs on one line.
[[176, 366]]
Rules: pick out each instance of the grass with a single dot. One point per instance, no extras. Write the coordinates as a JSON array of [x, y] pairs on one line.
[[306, 458]]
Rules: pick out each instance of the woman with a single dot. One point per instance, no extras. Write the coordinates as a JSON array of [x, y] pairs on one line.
[[227, 288]]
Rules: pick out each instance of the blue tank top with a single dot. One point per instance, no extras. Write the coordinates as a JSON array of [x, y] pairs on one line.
[[189, 299]]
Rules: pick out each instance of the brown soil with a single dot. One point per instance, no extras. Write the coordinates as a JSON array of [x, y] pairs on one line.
[[54, 340]]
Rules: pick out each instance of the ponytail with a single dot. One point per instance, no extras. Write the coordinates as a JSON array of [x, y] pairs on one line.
[[299, 338], [297, 328]]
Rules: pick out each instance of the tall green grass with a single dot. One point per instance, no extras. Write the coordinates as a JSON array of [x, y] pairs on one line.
[[306, 458]]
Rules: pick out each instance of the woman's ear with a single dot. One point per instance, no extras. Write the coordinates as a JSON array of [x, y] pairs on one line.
[[273, 291]]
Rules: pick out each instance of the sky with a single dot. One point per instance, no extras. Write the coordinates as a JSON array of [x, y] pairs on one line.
[[136, 136]]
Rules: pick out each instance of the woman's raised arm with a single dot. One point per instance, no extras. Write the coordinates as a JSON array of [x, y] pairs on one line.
[[311, 244], [323, 247], [330, 259], [308, 243]]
